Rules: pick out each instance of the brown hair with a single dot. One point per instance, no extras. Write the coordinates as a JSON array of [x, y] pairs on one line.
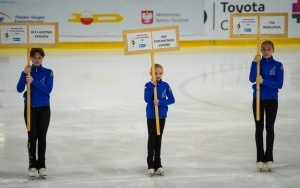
[[37, 50], [268, 42]]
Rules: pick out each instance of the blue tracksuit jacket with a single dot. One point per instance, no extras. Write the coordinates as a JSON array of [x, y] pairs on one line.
[[164, 95], [41, 86], [272, 73]]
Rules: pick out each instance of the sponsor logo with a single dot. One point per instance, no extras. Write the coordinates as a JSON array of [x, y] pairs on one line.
[[227, 8], [32, 18], [3, 17], [87, 18], [296, 11], [248, 30], [243, 7], [142, 46]]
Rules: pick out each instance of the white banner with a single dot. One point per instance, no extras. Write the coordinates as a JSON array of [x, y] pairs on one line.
[[102, 18]]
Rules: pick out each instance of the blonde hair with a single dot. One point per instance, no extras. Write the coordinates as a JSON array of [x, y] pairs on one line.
[[157, 66]]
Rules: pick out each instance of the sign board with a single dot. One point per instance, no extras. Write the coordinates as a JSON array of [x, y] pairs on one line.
[[259, 25], [150, 40], [28, 35]]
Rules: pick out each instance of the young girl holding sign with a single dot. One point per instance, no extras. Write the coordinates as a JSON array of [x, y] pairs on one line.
[[41, 81], [270, 80], [164, 98]]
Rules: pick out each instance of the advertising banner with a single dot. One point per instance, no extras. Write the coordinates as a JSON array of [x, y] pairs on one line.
[[217, 19], [102, 18]]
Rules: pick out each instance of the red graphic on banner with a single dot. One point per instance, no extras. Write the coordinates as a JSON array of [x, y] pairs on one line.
[[147, 16], [86, 18], [296, 6]]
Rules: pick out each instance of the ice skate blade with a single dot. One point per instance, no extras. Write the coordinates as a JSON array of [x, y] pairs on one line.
[[43, 177]]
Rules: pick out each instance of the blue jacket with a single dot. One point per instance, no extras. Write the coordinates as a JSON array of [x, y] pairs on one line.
[[41, 86], [272, 74], [164, 95]]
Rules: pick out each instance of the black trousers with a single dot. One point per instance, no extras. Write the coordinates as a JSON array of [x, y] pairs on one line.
[[40, 119], [154, 143], [268, 108]]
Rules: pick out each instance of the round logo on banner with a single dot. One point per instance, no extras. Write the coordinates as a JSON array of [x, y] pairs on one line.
[[86, 17]]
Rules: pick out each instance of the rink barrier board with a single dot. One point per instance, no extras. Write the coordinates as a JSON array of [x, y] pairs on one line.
[[183, 44]]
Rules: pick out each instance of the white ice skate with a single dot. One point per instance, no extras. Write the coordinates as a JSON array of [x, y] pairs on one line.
[[32, 172], [43, 172], [151, 171], [270, 165], [160, 171], [260, 166]]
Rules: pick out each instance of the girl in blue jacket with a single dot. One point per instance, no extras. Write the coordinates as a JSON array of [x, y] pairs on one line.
[[270, 80], [164, 98], [41, 80]]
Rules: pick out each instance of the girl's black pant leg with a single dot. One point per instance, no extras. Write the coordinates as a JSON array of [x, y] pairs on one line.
[[154, 143], [268, 109], [40, 119], [271, 113]]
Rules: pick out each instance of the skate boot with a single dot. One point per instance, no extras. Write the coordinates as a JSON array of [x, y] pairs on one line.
[[160, 171], [259, 166], [32, 172], [270, 165], [151, 171], [43, 172]]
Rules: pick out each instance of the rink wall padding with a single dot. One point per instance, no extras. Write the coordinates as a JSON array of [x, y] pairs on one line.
[[183, 44]]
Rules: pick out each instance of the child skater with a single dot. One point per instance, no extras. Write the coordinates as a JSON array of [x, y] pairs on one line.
[[270, 80], [164, 98], [41, 80]]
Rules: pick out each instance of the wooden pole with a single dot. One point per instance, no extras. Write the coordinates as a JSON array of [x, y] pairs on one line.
[[257, 84], [155, 95], [28, 94]]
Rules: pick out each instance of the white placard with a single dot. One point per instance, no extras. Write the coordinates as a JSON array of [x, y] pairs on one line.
[[259, 25], [42, 34], [272, 24], [13, 34], [245, 25], [28, 35], [151, 40], [139, 41], [164, 39]]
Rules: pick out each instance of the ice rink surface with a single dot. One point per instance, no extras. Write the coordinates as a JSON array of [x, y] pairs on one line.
[[98, 136]]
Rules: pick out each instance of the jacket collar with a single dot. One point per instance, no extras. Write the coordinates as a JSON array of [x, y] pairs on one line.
[[266, 60], [36, 68]]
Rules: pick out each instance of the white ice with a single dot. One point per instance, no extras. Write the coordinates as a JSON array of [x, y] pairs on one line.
[[98, 136]]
